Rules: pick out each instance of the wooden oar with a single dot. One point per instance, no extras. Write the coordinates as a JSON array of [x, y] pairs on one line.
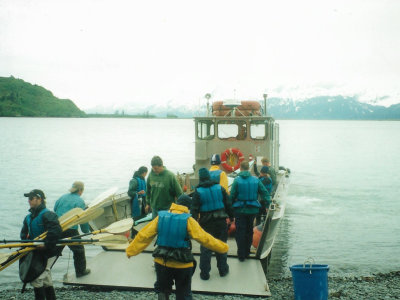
[[4, 256], [81, 218], [118, 227], [70, 214], [104, 239], [14, 256], [100, 239], [108, 238], [84, 217]]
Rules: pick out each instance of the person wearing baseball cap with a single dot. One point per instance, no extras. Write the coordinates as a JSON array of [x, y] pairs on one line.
[[40, 220]]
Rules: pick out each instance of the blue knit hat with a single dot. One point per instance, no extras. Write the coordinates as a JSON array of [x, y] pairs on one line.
[[204, 174], [184, 200], [215, 159], [264, 170]]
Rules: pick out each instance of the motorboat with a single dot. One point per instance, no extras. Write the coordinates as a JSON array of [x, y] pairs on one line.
[[237, 130]]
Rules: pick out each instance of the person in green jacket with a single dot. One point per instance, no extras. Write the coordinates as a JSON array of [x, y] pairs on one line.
[[162, 187]]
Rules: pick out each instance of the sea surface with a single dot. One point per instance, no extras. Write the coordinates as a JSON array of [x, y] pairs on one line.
[[342, 208]]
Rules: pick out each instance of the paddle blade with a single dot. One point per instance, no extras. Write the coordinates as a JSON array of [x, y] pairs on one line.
[[119, 226], [4, 257], [106, 239], [84, 217], [68, 215], [103, 197], [10, 258], [112, 239]]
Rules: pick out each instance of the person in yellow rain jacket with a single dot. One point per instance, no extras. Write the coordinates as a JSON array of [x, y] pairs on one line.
[[173, 256]]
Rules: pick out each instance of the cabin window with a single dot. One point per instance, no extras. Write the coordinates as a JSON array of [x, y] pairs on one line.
[[205, 130], [232, 129], [258, 130]]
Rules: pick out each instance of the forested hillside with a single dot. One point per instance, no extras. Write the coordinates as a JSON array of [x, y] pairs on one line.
[[22, 99]]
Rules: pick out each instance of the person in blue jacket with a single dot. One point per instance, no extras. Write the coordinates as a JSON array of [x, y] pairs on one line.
[[244, 196], [40, 220], [137, 192], [266, 180], [63, 205], [211, 207]]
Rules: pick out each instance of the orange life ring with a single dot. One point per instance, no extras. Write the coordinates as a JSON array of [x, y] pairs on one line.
[[228, 153]]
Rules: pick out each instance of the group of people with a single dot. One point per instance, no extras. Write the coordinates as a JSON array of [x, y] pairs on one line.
[[202, 216], [177, 218], [40, 220]]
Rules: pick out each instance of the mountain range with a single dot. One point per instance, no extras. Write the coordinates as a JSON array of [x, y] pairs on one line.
[[316, 108], [20, 98]]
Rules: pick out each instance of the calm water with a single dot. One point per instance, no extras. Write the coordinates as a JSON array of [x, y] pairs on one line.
[[342, 207]]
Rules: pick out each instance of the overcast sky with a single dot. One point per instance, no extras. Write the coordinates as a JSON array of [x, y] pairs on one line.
[[113, 51]]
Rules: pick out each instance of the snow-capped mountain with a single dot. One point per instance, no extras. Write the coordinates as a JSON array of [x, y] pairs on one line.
[[319, 108]]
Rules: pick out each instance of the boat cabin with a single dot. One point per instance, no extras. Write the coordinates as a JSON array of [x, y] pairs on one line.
[[237, 132]]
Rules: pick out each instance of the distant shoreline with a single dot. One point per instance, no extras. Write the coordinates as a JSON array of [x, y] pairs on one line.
[[106, 116]]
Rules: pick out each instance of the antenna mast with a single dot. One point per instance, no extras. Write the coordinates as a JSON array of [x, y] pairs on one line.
[[265, 104], [208, 96]]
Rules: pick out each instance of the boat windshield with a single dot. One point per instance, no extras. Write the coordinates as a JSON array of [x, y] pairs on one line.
[[258, 130], [232, 129], [205, 130]]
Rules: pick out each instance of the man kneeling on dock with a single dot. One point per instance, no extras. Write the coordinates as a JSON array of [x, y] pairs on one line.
[[173, 256]]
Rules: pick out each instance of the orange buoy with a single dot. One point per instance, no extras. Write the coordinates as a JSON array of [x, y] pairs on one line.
[[256, 236], [231, 227]]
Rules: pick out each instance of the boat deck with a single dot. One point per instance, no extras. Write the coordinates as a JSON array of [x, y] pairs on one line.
[[113, 269], [138, 273]]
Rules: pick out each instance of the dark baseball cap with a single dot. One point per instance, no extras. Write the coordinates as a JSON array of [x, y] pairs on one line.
[[35, 193]]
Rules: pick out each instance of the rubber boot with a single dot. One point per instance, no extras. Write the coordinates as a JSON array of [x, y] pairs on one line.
[[84, 273], [79, 261], [39, 293], [50, 293], [163, 296]]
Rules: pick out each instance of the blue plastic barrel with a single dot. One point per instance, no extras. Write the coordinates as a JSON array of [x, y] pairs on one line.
[[310, 281]]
